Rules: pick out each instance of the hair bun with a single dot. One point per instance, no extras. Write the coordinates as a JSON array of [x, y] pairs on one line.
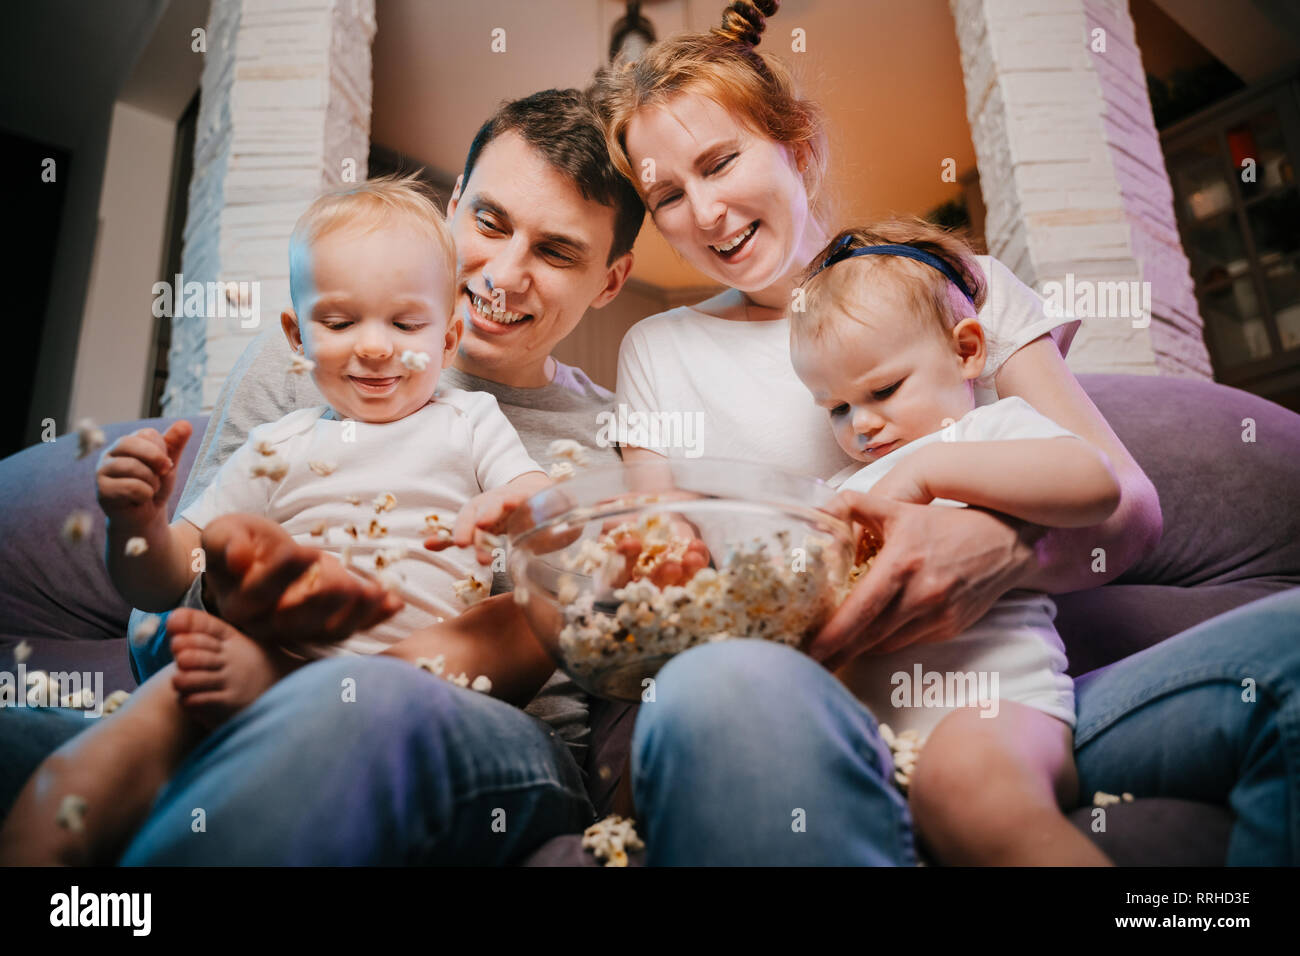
[[743, 21]]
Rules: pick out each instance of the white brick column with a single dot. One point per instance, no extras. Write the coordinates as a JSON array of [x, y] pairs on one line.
[[1072, 172], [285, 105]]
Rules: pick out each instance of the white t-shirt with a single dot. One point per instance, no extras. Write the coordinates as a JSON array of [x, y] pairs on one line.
[[432, 461], [739, 377], [1015, 640]]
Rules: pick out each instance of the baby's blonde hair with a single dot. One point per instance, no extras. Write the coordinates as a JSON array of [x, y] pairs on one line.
[[934, 299], [368, 206]]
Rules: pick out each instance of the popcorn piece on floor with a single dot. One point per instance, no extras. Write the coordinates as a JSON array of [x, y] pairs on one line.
[[115, 700], [322, 468], [482, 684], [90, 438], [273, 467], [78, 700], [72, 813], [470, 590], [434, 665], [385, 502], [146, 629], [415, 361], [301, 364], [135, 547], [77, 527], [610, 839], [22, 652], [569, 450], [562, 470]]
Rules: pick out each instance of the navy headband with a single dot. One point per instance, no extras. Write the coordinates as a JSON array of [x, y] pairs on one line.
[[840, 252]]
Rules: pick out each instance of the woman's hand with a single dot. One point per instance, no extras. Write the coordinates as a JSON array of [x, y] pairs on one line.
[[937, 573], [278, 591]]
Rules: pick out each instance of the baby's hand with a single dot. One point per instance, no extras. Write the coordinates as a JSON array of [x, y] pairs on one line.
[[905, 482], [487, 514], [137, 473]]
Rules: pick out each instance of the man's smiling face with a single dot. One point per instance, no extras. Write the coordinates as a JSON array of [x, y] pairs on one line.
[[531, 260]]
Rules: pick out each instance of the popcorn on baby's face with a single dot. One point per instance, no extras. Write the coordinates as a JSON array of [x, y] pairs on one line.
[[371, 313], [885, 374]]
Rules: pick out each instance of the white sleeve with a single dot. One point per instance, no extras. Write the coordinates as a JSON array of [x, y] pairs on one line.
[[636, 382], [233, 488], [1008, 419], [1013, 316], [499, 453]]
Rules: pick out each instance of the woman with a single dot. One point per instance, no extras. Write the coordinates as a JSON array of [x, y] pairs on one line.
[[730, 162]]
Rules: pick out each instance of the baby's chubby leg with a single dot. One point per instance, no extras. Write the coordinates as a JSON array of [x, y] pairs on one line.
[[87, 798], [989, 791]]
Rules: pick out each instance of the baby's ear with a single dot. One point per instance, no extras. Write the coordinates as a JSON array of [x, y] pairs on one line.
[[451, 339], [972, 351], [289, 323]]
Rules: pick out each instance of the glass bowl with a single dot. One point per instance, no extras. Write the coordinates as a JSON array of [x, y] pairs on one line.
[[777, 566]]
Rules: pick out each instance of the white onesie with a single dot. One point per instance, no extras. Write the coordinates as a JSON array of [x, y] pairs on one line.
[[1012, 653], [432, 462]]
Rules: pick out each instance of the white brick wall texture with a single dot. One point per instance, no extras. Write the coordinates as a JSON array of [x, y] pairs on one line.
[[1072, 172], [286, 92]]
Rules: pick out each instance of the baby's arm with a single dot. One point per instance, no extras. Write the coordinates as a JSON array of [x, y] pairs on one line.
[[1059, 482], [491, 638], [488, 512], [134, 480]]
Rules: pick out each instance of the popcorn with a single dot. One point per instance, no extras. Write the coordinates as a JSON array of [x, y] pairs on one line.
[[415, 361], [385, 502], [319, 528], [562, 470], [301, 364], [460, 680], [568, 449], [386, 557], [322, 468], [436, 529], [482, 684], [72, 813], [146, 629], [77, 527], [22, 652], [135, 547], [375, 529], [470, 590], [351, 531], [610, 839], [435, 665], [353, 500], [1103, 799], [264, 446], [750, 595], [905, 747], [273, 467], [78, 700], [115, 700], [89, 437]]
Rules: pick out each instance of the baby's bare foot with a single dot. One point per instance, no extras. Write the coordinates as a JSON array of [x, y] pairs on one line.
[[219, 671]]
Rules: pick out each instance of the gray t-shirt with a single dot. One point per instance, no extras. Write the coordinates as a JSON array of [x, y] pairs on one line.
[[261, 389]]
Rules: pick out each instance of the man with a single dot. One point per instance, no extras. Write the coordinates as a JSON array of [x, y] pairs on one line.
[[544, 228]]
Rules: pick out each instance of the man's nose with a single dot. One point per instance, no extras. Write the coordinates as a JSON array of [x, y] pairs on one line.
[[506, 270]]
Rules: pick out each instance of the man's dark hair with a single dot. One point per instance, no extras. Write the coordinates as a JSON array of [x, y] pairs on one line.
[[562, 126]]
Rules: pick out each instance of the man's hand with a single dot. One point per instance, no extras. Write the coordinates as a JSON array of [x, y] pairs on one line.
[[283, 593], [937, 573]]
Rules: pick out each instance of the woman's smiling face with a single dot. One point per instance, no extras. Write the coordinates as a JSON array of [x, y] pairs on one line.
[[731, 201]]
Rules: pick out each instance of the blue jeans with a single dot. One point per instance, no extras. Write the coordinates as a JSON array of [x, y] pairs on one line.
[[753, 753], [413, 771], [750, 753]]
